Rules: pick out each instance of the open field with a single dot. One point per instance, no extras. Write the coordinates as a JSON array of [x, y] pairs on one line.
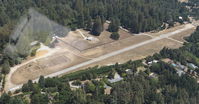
[[45, 66], [107, 48], [183, 1], [142, 52], [75, 40], [75, 53], [181, 36], [155, 34]]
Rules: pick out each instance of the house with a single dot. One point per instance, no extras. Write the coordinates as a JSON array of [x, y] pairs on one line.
[[144, 62], [167, 60], [116, 78], [186, 69], [129, 71], [151, 62], [108, 21], [174, 65], [140, 69], [155, 61], [180, 17], [107, 89], [191, 65], [180, 72], [34, 43], [180, 69], [153, 75]]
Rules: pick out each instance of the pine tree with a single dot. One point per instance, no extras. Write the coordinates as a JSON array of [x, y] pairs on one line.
[[114, 25], [81, 20], [41, 81], [6, 67], [78, 5], [97, 27], [89, 23]]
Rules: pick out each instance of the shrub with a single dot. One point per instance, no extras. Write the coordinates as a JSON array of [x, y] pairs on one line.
[[115, 36]]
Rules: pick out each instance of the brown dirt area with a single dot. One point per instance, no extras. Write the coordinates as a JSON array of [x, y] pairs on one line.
[[138, 53], [182, 35], [75, 40], [41, 53], [183, 1], [165, 31], [104, 49], [74, 50], [45, 66], [142, 52]]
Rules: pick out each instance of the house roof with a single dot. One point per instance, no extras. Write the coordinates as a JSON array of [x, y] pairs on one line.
[[117, 78]]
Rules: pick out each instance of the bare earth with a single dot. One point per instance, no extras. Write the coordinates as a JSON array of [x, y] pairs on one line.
[[73, 50]]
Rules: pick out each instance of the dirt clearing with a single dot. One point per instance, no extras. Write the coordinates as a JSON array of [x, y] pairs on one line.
[[73, 50], [182, 35], [44, 66]]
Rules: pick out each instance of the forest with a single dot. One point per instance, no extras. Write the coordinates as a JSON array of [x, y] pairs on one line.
[[193, 4], [135, 15]]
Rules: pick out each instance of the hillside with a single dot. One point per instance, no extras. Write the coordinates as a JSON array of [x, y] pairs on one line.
[[78, 13], [77, 52], [169, 77]]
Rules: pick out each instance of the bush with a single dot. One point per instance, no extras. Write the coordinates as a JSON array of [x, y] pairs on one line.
[[34, 50], [5, 67], [115, 36]]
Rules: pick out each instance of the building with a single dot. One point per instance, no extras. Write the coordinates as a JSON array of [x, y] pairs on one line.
[[191, 65], [153, 75], [129, 71], [167, 60], [116, 78], [180, 72], [74, 87], [107, 89], [152, 62]]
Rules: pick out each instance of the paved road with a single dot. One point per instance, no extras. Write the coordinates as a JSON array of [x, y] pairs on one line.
[[103, 57]]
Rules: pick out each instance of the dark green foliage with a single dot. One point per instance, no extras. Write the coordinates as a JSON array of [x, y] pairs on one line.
[[39, 99], [77, 83], [5, 67], [51, 82], [115, 36], [41, 81], [5, 99], [137, 15], [194, 37], [97, 27], [89, 24], [90, 73], [193, 4], [28, 87], [16, 101], [90, 87], [114, 25]]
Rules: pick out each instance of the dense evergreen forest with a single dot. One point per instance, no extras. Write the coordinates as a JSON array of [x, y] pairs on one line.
[[135, 15], [193, 5]]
